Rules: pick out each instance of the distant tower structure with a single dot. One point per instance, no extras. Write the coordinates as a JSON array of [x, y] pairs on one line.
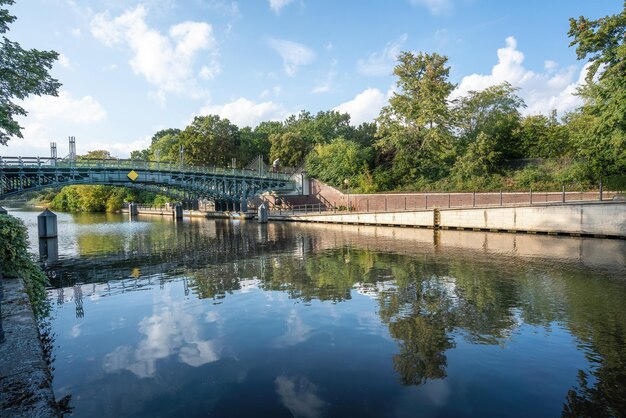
[[72, 155], [53, 153]]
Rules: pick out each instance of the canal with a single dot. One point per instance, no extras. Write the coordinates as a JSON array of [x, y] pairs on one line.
[[155, 318]]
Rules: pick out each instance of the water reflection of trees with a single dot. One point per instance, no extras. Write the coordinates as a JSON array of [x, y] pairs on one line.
[[432, 299]]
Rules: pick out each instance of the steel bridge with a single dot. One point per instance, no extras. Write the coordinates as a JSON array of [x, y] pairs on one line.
[[24, 174]]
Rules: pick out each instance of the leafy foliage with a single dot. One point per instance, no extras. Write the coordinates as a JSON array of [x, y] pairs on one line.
[[16, 261], [22, 73]]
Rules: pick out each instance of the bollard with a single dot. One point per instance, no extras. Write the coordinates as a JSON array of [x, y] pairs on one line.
[[47, 224], [49, 250], [262, 213], [133, 209], [178, 211]]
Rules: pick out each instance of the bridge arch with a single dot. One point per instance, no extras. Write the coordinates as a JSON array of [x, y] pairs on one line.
[[22, 174]]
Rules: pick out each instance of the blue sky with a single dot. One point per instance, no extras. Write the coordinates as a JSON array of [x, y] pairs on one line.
[[130, 68]]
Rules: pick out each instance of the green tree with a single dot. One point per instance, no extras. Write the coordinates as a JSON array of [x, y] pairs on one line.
[[602, 141], [338, 161], [98, 154], [414, 129], [290, 147], [22, 73], [209, 140], [163, 132], [487, 122]]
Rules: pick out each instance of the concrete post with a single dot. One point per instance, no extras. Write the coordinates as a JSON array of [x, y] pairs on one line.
[[262, 213], [49, 250], [178, 211], [133, 210], [47, 224]]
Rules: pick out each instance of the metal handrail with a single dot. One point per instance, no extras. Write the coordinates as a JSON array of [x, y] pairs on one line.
[[137, 165]]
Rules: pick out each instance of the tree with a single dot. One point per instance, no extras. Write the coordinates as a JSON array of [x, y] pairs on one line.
[[602, 141], [163, 132], [209, 140], [414, 129], [337, 161], [22, 73], [290, 147], [487, 122], [98, 154]]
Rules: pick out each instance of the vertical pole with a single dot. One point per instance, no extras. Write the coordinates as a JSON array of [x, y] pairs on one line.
[[367, 203], [385, 203], [426, 205], [448, 200], [500, 197], [473, 199], [600, 190], [531, 195], [563, 194], [319, 208], [404, 202]]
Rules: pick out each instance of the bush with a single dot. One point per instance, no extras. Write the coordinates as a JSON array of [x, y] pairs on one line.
[[16, 261]]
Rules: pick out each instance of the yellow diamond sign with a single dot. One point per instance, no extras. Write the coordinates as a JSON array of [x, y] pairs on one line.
[[133, 175]]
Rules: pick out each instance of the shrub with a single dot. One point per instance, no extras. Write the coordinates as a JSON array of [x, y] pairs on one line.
[[16, 261]]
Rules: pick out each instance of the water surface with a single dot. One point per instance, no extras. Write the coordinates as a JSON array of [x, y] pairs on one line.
[[156, 318]]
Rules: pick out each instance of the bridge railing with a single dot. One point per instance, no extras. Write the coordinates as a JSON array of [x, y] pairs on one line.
[[137, 165]]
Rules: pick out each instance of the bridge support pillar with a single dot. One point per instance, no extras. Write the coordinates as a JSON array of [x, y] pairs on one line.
[[236, 206], [178, 211], [244, 204]]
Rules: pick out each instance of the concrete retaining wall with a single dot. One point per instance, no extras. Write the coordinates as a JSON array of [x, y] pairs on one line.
[[593, 218]]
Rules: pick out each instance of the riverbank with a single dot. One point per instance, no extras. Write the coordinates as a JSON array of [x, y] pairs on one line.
[[594, 219], [25, 379]]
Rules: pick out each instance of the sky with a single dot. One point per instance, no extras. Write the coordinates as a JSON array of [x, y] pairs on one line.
[[130, 68]]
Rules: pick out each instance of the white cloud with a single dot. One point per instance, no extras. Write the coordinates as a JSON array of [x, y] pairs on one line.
[[436, 7], [299, 396], [75, 32], [365, 107], [542, 92], [382, 63], [294, 55], [51, 118], [167, 61], [277, 5], [243, 112], [64, 107], [64, 61]]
